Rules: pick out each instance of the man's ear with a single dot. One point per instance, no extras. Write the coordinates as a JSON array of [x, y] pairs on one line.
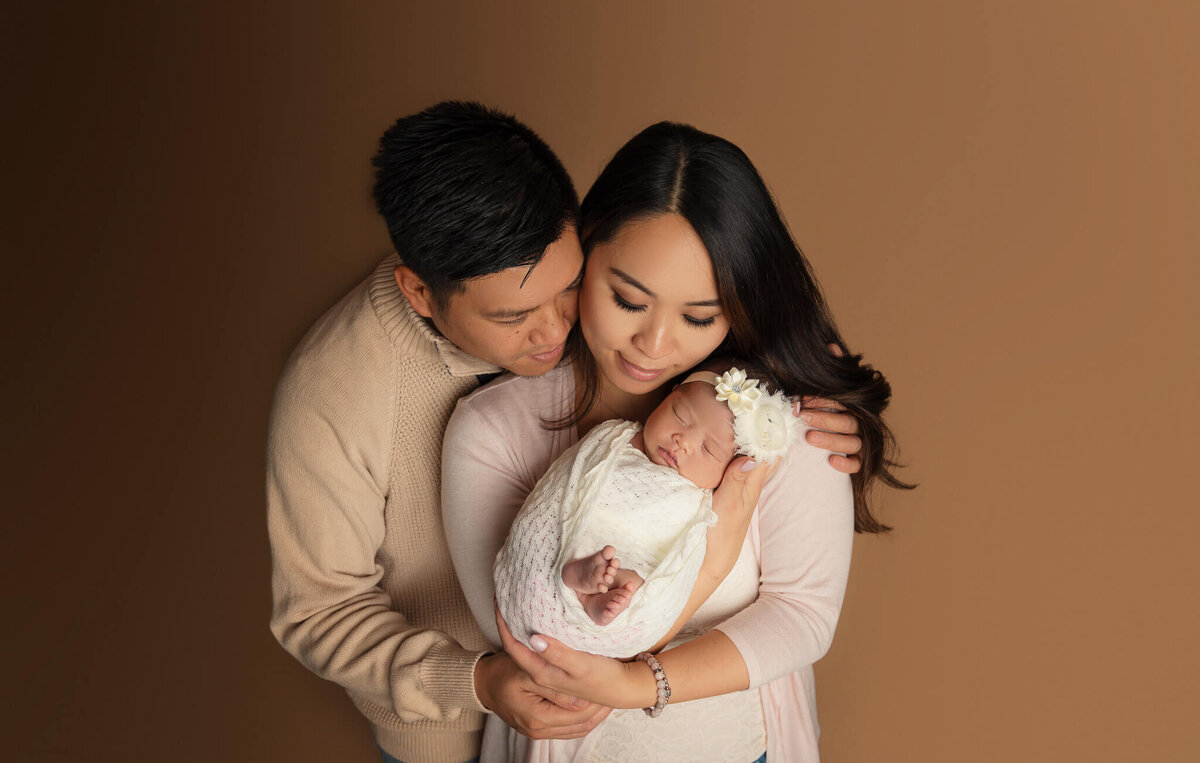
[[416, 290]]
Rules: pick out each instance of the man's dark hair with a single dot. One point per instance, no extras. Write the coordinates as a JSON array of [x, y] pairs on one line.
[[466, 191]]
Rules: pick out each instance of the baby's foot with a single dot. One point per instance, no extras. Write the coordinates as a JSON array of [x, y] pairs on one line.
[[592, 574], [603, 607], [627, 579]]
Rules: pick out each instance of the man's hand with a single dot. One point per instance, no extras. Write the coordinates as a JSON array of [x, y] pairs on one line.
[[832, 429], [535, 711], [606, 680]]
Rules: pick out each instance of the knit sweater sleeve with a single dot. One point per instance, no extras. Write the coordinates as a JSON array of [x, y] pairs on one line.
[[328, 458], [805, 531]]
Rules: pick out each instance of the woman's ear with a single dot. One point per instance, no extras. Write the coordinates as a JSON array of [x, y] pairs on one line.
[[415, 290]]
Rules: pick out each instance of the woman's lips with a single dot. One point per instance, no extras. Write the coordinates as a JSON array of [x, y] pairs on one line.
[[549, 355], [637, 372]]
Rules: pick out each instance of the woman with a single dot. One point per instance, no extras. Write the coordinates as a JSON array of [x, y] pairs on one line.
[[687, 256]]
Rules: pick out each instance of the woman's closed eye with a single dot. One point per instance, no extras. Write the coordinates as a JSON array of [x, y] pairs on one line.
[[626, 306], [631, 307]]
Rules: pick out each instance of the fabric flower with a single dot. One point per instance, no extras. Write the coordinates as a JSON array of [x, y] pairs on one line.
[[765, 432], [738, 392]]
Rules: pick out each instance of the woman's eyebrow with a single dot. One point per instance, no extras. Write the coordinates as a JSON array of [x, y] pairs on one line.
[[638, 285], [631, 281]]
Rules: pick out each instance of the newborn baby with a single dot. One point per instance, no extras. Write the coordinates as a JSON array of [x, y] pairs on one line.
[[645, 491], [691, 433]]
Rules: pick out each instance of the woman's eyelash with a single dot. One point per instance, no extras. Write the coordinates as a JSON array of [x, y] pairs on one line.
[[627, 306]]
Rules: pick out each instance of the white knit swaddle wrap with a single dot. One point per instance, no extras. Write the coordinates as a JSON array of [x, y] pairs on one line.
[[602, 491]]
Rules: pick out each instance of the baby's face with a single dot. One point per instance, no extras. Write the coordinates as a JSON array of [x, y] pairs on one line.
[[691, 432]]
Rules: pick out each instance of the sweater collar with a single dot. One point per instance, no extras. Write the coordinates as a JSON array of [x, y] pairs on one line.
[[413, 333]]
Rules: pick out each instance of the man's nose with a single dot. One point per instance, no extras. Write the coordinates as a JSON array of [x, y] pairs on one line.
[[551, 327]]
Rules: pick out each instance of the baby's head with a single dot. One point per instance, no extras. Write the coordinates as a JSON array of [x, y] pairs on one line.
[[693, 430]]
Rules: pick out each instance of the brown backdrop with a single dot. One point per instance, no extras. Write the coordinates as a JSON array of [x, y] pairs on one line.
[[1000, 200]]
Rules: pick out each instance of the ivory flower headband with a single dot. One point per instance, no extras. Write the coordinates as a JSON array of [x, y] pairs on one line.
[[763, 424]]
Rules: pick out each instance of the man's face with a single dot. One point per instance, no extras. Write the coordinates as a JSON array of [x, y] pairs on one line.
[[517, 319]]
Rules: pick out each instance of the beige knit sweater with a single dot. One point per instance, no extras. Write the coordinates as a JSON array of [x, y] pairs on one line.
[[364, 592]]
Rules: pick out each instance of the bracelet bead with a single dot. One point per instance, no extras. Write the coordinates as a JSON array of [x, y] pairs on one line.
[[663, 686]]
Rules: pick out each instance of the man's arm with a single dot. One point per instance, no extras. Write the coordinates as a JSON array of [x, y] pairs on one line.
[[327, 471]]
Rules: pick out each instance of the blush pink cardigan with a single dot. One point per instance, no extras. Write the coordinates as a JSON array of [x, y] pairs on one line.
[[495, 449]]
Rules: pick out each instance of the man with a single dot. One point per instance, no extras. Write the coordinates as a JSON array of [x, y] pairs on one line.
[[484, 215], [483, 218]]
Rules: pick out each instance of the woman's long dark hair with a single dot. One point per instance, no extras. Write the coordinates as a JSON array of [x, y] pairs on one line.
[[767, 288]]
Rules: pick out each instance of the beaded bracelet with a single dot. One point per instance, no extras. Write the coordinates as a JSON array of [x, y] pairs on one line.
[[664, 687]]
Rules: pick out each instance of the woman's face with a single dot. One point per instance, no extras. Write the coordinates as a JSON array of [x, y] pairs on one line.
[[648, 307]]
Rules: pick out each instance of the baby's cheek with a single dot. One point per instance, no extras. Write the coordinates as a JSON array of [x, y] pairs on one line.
[[716, 474]]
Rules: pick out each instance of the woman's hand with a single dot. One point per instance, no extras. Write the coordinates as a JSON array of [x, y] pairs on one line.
[[601, 680], [733, 502], [533, 710], [832, 429]]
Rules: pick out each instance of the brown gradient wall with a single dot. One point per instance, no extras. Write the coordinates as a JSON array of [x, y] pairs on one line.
[[1000, 199]]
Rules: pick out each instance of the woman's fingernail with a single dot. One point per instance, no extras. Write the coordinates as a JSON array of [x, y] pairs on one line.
[[806, 417], [538, 643], [749, 464]]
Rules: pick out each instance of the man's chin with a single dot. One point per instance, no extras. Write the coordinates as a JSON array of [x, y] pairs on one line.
[[536, 364], [528, 367]]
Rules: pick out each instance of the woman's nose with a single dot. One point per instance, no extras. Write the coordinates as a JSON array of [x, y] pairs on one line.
[[653, 340]]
